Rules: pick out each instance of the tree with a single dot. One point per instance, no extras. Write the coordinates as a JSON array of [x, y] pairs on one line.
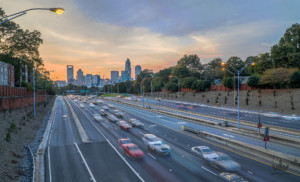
[[295, 79], [187, 82], [237, 63], [213, 70], [192, 62], [253, 81], [164, 74], [180, 71], [171, 86], [278, 77]]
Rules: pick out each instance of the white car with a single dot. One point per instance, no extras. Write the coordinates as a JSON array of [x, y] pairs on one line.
[[156, 144], [111, 106], [292, 117], [82, 106], [205, 152], [92, 105], [97, 117]]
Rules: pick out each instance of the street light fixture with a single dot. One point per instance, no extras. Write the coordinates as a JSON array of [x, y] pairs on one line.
[[238, 72], [178, 84], [58, 11]]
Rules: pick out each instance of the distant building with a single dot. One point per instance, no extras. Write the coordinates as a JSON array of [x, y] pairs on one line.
[[124, 76], [88, 80], [114, 75], [96, 80], [128, 68], [61, 83], [138, 70], [70, 74], [80, 77]]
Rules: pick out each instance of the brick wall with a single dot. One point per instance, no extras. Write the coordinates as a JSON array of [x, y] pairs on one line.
[[13, 97]]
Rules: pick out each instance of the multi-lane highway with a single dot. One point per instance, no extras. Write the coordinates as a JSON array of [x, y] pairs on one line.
[[100, 158]]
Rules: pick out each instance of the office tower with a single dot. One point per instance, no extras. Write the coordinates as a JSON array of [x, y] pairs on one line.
[[128, 68], [124, 76], [114, 75], [80, 77], [96, 80], [88, 80], [138, 70], [70, 74]]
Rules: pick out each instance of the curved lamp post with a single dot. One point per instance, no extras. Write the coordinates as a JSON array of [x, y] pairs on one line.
[[16, 15]]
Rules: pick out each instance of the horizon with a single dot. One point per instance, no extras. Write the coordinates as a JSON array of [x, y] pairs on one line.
[[153, 35]]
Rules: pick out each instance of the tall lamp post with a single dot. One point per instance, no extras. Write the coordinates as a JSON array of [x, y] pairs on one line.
[[238, 72], [16, 15], [178, 84]]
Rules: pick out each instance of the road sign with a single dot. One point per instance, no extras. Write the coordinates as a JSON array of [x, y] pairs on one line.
[[266, 138], [259, 125]]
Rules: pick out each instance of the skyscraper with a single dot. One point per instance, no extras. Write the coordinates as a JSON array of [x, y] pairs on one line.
[[128, 68], [96, 80], [70, 74], [138, 70], [114, 75], [124, 76], [79, 77], [88, 80]]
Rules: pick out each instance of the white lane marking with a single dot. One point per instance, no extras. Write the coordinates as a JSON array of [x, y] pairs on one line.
[[250, 172], [231, 136], [170, 122], [152, 125], [181, 122], [141, 133], [85, 163], [49, 165], [158, 116], [151, 155], [136, 173], [209, 171]]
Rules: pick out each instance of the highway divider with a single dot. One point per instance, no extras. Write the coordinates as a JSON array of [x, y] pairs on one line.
[[279, 160], [82, 133], [176, 113]]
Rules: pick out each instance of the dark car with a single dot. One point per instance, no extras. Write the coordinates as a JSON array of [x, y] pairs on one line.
[[103, 112], [112, 118], [225, 163]]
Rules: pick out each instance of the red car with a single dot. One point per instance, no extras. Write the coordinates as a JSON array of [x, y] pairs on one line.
[[132, 150], [124, 125], [124, 141]]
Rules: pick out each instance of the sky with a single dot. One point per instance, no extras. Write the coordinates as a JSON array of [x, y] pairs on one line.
[[99, 35]]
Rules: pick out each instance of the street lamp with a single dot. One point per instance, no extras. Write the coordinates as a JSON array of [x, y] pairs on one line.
[[178, 84], [16, 15], [238, 72]]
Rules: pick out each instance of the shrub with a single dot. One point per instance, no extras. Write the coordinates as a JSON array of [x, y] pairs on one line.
[[225, 100], [207, 101], [259, 102], [295, 79], [247, 100], [7, 138], [253, 81]]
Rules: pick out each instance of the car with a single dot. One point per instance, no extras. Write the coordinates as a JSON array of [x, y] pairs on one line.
[[103, 112], [112, 118], [292, 117], [132, 150], [159, 147], [205, 152], [99, 101], [118, 113], [82, 106], [272, 115], [92, 105], [124, 141], [111, 106], [225, 163], [158, 99], [232, 177], [124, 125], [105, 108], [156, 144], [97, 117], [136, 123]]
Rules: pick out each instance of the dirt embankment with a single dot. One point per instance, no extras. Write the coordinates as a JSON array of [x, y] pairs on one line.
[[18, 128], [286, 101]]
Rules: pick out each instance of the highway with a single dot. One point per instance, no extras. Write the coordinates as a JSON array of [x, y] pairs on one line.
[[101, 158]]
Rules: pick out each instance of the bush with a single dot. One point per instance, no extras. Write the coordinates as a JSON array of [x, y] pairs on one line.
[[253, 81], [295, 79], [171, 86], [187, 82]]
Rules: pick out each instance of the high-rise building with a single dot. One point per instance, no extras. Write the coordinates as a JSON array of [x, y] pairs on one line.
[[124, 76], [138, 70], [80, 77], [96, 80], [70, 74], [88, 80], [128, 68], [114, 75]]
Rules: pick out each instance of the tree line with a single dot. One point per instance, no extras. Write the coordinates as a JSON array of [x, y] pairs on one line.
[[19, 47]]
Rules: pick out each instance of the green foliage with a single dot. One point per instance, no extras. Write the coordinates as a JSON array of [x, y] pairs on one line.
[[253, 81], [247, 100], [295, 79], [191, 62], [200, 85], [278, 77], [225, 100], [229, 82], [171, 86], [7, 137], [187, 82]]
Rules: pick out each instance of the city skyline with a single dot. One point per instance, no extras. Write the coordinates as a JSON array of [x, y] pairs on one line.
[[160, 35]]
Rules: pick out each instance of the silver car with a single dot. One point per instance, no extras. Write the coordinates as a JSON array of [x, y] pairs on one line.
[[225, 163], [205, 152]]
